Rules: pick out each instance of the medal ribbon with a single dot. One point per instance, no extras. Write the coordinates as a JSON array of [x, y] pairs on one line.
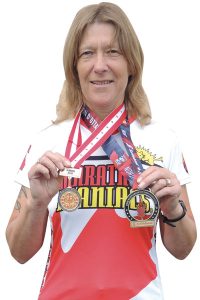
[[128, 163], [99, 135]]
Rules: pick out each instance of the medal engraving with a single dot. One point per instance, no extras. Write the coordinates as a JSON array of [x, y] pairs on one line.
[[69, 199], [141, 208], [71, 172]]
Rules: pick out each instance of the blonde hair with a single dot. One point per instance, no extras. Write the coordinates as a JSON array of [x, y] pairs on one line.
[[70, 99]]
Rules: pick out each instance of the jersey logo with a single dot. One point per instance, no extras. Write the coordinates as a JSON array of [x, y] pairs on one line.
[[147, 157]]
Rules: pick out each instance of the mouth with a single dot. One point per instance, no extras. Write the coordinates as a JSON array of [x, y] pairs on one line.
[[101, 82]]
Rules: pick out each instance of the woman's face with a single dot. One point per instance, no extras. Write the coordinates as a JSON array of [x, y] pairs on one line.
[[102, 69]]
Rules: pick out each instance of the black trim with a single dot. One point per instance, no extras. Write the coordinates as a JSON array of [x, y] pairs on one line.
[[97, 157]]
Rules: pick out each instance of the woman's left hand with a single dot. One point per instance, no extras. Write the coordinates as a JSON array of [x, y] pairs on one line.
[[164, 185]]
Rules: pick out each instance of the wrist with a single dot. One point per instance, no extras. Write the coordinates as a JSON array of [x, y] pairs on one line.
[[36, 206], [173, 212], [176, 216]]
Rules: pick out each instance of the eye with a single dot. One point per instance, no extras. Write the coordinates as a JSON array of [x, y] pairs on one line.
[[86, 53], [113, 52]]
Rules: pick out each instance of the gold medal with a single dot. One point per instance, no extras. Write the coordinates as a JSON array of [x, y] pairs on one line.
[[141, 208], [69, 199]]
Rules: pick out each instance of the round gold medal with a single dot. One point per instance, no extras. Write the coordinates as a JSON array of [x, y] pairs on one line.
[[69, 199]]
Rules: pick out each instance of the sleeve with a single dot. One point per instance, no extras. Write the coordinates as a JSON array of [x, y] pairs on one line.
[[41, 143], [176, 162]]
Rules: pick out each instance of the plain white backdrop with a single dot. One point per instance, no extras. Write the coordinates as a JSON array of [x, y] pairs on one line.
[[32, 35]]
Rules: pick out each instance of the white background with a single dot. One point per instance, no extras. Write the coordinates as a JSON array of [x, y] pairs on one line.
[[32, 35]]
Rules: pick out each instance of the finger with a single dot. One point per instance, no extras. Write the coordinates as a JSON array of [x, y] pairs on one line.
[[38, 171], [144, 178], [168, 181], [46, 162], [172, 192], [160, 184], [147, 179], [58, 159], [60, 180], [152, 175]]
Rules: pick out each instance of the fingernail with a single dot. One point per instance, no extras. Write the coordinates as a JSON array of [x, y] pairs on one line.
[[141, 185], [68, 163]]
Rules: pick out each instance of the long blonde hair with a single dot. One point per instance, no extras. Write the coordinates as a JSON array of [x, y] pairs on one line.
[[70, 99]]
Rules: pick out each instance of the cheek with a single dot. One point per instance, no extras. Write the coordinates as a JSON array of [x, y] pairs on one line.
[[78, 72], [80, 77], [83, 68], [82, 82]]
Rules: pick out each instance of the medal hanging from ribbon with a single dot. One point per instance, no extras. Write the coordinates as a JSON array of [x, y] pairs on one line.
[[69, 199], [141, 206]]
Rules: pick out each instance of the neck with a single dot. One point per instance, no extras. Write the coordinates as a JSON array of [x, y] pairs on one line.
[[102, 112]]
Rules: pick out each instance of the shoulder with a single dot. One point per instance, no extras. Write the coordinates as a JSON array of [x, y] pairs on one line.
[[52, 133], [154, 131], [156, 143], [53, 137], [58, 128]]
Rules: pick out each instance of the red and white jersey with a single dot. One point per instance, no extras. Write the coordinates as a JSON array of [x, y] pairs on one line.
[[94, 253]]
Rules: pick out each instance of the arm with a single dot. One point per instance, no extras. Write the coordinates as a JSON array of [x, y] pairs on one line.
[[27, 226], [178, 240]]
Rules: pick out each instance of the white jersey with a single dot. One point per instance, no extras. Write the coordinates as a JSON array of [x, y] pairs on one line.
[[94, 253]]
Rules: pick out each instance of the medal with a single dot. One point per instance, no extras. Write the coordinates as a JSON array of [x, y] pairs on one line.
[[69, 199], [77, 152], [141, 208]]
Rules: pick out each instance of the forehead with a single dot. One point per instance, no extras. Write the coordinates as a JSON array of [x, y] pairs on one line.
[[98, 33]]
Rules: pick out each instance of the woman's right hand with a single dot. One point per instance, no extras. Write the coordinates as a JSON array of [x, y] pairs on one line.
[[44, 178]]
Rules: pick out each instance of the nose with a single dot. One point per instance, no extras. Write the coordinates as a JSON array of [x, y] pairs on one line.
[[100, 63]]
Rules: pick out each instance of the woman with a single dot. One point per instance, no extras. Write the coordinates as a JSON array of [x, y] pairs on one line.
[[104, 173]]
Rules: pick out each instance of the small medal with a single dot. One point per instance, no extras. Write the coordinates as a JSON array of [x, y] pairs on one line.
[[141, 208], [69, 199]]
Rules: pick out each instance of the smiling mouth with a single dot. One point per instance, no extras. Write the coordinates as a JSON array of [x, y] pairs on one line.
[[102, 82]]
